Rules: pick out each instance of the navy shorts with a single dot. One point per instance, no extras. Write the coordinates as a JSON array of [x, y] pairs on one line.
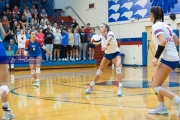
[[35, 59], [171, 64], [91, 45], [112, 55]]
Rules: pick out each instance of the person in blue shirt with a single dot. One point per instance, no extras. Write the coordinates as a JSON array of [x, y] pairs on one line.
[[64, 44], [13, 46], [91, 45], [35, 55], [4, 79], [10, 53]]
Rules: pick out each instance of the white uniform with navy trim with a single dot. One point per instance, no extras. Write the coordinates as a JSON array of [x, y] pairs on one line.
[[113, 47], [170, 52]]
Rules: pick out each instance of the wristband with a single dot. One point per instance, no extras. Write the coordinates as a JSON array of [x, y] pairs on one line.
[[159, 51]]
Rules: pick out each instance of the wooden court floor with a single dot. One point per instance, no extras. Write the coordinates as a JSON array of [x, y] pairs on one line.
[[61, 95]]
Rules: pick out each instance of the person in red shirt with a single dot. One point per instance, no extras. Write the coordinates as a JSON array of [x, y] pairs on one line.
[[87, 30]]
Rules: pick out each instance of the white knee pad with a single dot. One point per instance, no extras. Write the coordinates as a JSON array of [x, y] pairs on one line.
[[5, 88], [157, 89], [38, 70], [118, 70], [33, 72], [99, 72]]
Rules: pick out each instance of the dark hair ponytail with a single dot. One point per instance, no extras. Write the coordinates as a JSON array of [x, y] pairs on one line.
[[107, 26], [158, 13]]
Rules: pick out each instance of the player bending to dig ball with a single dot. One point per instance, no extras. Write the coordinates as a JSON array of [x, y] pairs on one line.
[[110, 47]]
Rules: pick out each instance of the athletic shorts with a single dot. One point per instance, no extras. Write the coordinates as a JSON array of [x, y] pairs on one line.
[[57, 46], [33, 58], [112, 55], [91, 45], [76, 47], [70, 47], [171, 64]]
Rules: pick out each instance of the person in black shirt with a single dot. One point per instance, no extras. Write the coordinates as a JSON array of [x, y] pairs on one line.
[[49, 37], [14, 18], [6, 8], [83, 43], [74, 24]]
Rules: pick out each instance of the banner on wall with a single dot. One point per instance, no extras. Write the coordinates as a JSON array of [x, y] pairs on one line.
[[122, 10]]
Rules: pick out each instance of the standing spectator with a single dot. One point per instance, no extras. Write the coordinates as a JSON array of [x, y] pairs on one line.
[[28, 15], [83, 43], [14, 47], [76, 44], [21, 40], [57, 44], [70, 43], [9, 53], [41, 36], [91, 46], [74, 24], [87, 30], [43, 4], [49, 43], [54, 28], [64, 44]]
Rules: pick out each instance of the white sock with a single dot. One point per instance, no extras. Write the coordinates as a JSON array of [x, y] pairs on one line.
[[92, 83], [120, 84], [37, 80], [176, 99], [5, 104], [161, 104]]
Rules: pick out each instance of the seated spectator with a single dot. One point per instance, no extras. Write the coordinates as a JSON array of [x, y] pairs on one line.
[[8, 15], [14, 47], [62, 23], [9, 52], [16, 10], [13, 19], [33, 9], [23, 20], [27, 27], [21, 40], [6, 8], [33, 29], [28, 15], [43, 13], [44, 21], [28, 34], [35, 14], [36, 24], [35, 3], [74, 24]]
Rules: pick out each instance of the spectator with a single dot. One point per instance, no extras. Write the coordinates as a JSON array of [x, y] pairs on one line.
[[28, 34], [83, 43], [35, 3], [43, 4], [70, 43], [74, 24], [44, 21], [33, 9], [17, 31], [35, 23], [16, 10], [64, 44], [91, 46], [76, 44], [33, 29], [14, 47], [41, 36], [9, 52], [35, 14], [23, 20], [49, 43], [28, 15], [57, 44], [54, 28], [62, 23], [43, 13], [21, 40], [13, 19], [6, 8], [87, 30], [24, 2]]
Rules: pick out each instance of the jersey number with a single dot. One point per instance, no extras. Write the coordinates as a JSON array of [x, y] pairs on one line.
[[170, 32]]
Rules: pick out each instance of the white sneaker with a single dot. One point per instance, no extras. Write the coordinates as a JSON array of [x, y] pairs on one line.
[[89, 89], [37, 83], [119, 92], [159, 110], [8, 115], [63, 59], [59, 59], [76, 58], [84, 58]]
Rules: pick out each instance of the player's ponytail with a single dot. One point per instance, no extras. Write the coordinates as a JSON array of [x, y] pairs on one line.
[[106, 26], [158, 13]]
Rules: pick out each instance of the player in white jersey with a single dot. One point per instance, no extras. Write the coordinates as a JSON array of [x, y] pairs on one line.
[[109, 45], [165, 41]]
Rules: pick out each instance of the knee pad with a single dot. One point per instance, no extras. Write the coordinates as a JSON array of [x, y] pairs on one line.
[[157, 89], [38, 70], [99, 72], [118, 70], [5, 88], [33, 72]]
